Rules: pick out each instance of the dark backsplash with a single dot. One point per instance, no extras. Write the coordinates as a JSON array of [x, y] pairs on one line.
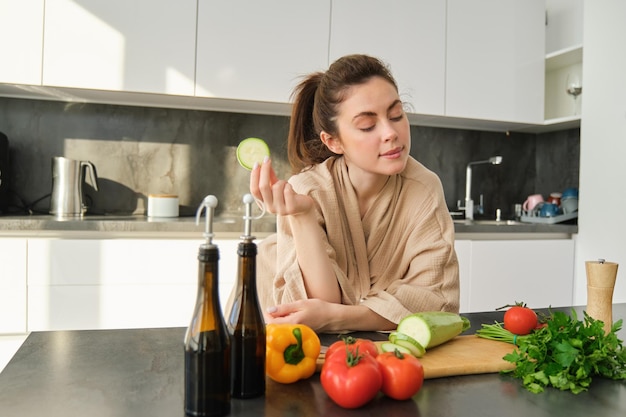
[[531, 163], [138, 151]]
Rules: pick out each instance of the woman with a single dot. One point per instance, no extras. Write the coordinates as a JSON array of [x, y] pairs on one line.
[[364, 237]]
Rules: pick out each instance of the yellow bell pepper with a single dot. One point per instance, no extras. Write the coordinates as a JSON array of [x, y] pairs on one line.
[[291, 352]]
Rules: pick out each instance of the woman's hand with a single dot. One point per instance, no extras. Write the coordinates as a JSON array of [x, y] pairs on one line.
[[313, 312], [277, 195]]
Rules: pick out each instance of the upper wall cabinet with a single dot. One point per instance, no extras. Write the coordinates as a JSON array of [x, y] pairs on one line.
[[251, 50], [121, 45], [564, 60], [564, 25], [477, 64], [495, 60], [409, 35], [21, 31]]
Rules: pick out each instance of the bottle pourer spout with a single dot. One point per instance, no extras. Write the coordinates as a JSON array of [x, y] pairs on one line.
[[209, 202], [248, 199]]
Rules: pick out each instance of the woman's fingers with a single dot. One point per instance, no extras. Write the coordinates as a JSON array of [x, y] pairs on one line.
[[309, 311], [254, 181], [262, 177], [273, 176], [277, 195], [293, 200]]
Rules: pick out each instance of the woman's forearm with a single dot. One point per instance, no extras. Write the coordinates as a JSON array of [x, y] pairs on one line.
[[317, 271], [356, 318]]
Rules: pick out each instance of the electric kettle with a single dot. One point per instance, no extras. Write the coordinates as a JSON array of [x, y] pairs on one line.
[[67, 186]]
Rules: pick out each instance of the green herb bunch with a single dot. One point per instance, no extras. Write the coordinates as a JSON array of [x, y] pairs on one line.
[[566, 353]]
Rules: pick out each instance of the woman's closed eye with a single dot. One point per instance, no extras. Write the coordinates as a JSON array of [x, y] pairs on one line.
[[370, 128]]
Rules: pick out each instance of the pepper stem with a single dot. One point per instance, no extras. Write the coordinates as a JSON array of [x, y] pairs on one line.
[[294, 353]]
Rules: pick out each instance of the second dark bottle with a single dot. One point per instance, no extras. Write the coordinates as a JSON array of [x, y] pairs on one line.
[[245, 321]]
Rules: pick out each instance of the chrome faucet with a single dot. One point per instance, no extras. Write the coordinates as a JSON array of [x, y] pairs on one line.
[[469, 203]]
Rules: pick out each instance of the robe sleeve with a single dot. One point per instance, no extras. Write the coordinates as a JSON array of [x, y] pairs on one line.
[[288, 282]]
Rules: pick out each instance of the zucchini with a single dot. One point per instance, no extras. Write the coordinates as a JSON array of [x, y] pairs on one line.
[[433, 328], [408, 342], [392, 347]]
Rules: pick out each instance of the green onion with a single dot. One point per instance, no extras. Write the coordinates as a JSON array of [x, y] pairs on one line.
[[496, 331]]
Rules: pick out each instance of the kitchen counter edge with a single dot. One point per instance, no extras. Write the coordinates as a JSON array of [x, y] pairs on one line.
[[226, 227]]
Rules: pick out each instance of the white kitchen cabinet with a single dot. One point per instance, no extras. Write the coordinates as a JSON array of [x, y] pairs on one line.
[[564, 56], [118, 283], [537, 272], [21, 31], [564, 24], [121, 45], [409, 35], [251, 50], [495, 58], [12, 286]]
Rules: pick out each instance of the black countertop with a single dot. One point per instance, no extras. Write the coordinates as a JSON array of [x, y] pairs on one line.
[[139, 372]]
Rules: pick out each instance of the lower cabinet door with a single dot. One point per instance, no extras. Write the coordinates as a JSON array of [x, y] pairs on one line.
[[117, 283], [539, 273], [12, 286]]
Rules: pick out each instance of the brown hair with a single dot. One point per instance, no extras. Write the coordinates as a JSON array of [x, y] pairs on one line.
[[315, 106]]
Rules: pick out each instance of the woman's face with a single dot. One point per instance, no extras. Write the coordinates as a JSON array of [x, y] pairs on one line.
[[374, 133]]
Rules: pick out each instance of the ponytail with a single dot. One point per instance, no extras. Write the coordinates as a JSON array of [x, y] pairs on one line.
[[304, 147]]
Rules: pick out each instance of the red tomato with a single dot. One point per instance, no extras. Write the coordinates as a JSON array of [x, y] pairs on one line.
[[403, 375], [520, 320], [352, 344], [350, 380]]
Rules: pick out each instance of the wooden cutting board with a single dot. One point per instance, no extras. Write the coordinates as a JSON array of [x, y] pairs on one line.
[[463, 355]]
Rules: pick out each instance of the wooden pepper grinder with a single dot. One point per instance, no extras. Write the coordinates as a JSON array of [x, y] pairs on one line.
[[601, 277]]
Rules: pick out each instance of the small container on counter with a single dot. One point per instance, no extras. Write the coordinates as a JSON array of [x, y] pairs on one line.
[[163, 205]]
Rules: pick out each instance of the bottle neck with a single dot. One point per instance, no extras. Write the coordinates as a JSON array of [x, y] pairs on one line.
[[208, 269], [208, 275], [245, 309], [247, 251]]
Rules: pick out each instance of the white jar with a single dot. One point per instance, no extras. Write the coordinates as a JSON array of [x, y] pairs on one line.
[[162, 205]]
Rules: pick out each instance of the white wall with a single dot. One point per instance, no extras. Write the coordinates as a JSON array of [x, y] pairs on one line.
[[602, 218]]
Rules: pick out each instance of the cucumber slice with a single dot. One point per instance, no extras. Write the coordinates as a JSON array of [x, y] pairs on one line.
[[408, 342], [392, 347], [251, 151]]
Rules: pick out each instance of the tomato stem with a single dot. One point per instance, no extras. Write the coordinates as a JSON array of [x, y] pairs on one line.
[[517, 304], [348, 340], [398, 354], [352, 358]]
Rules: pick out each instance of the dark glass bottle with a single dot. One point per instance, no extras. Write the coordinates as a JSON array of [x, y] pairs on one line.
[[246, 325], [207, 343]]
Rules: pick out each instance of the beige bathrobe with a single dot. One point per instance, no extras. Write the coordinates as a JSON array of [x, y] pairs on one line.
[[397, 260]]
